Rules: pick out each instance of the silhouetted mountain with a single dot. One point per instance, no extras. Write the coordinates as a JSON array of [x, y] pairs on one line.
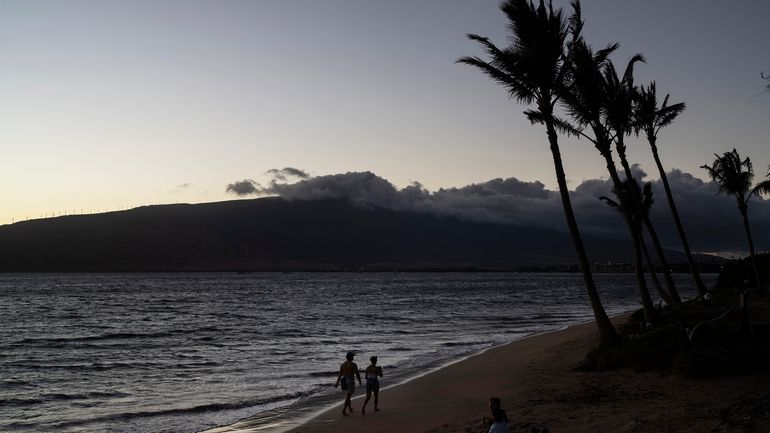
[[275, 234]]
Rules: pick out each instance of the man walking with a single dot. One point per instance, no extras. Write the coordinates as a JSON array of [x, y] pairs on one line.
[[348, 375]]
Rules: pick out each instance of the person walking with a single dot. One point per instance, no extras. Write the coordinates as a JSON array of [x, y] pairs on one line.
[[347, 377], [372, 375]]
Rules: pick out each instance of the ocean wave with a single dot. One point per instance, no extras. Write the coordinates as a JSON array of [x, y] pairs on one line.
[[465, 343], [14, 383], [16, 402], [116, 336], [211, 407], [99, 366], [322, 374], [54, 397]]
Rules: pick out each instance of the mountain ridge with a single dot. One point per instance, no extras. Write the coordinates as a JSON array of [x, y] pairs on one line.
[[273, 234]]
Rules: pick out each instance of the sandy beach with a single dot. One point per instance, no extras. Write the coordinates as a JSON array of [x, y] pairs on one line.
[[539, 386]]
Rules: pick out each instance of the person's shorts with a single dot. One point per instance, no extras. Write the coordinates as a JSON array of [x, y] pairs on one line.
[[350, 385], [372, 385]]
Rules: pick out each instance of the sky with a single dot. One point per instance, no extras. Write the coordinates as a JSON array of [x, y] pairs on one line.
[[108, 105]]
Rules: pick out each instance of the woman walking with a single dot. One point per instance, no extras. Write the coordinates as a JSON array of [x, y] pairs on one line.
[[372, 375]]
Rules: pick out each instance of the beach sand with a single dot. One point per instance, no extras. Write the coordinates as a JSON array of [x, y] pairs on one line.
[[539, 387]]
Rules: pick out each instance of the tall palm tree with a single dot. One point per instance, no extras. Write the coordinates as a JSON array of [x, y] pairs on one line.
[[585, 96], [650, 119], [734, 177], [532, 70], [620, 114], [640, 200]]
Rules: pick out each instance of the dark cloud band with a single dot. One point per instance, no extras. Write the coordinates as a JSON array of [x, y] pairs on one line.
[[711, 221]]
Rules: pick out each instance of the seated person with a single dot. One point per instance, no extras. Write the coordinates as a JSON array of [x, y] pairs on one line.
[[499, 421]]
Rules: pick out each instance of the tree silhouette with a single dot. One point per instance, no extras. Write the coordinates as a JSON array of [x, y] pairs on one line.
[[764, 186], [640, 201], [533, 70], [650, 119], [622, 94], [734, 177], [586, 98]]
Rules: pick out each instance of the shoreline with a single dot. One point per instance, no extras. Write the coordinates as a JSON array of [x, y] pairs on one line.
[[279, 423], [536, 379]]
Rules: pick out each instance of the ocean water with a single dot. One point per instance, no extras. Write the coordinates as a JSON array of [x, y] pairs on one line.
[[186, 352]]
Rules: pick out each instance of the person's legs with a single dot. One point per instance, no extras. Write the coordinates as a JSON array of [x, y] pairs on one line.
[[376, 398], [348, 394], [347, 401], [345, 406], [368, 396]]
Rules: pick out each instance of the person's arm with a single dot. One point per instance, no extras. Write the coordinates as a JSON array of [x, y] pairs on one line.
[[379, 371], [339, 376], [355, 368]]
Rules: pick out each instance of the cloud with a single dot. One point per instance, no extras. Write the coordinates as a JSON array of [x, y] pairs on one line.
[[360, 188], [243, 187], [712, 221], [287, 173], [178, 189]]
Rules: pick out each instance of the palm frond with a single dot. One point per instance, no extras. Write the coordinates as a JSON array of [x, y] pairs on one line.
[[733, 174], [566, 128], [667, 114], [611, 203], [638, 201], [492, 50], [576, 22], [516, 89], [648, 116], [762, 188], [628, 75], [535, 117], [603, 55]]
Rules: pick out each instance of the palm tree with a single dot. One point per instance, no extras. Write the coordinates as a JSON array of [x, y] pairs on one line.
[[620, 114], [650, 118], [532, 70], [640, 200], [734, 177], [585, 96]]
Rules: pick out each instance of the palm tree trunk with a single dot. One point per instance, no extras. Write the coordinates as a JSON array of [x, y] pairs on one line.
[[677, 221], [742, 208], [649, 308], [670, 286], [663, 294], [672, 291], [607, 333]]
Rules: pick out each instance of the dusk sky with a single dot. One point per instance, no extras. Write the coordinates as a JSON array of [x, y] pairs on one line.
[[109, 104]]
